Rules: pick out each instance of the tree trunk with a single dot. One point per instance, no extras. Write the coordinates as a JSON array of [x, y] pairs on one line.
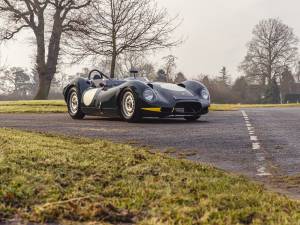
[[113, 66], [114, 50], [43, 90], [47, 70]]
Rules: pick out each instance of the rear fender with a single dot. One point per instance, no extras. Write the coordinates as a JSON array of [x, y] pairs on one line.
[[80, 83]]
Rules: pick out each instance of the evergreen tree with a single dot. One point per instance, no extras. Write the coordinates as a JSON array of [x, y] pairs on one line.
[[224, 76]]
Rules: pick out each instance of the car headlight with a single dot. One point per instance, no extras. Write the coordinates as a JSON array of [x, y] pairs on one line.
[[205, 94], [149, 95]]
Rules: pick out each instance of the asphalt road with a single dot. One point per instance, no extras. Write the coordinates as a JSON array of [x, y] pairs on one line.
[[219, 138]]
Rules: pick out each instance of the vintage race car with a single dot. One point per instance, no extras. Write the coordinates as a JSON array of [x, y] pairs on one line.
[[134, 98]]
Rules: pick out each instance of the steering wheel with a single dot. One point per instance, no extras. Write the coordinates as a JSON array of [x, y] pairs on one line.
[[102, 75]]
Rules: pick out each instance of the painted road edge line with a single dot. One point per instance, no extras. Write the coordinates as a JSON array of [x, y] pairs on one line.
[[256, 146]]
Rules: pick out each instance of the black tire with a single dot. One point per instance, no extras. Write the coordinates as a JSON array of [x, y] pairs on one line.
[[75, 113], [192, 118], [129, 107]]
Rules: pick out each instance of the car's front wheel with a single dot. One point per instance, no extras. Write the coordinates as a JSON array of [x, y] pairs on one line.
[[74, 108], [129, 106]]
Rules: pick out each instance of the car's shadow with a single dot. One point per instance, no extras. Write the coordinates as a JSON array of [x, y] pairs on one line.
[[150, 120]]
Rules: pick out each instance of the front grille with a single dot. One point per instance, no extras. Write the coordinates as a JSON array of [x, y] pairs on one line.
[[188, 107]]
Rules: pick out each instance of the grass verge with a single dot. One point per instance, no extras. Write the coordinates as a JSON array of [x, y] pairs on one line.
[[231, 107], [59, 106], [47, 178], [47, 106]]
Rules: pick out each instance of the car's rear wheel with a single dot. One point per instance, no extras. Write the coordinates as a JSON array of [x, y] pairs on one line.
[[129, 106], [192, 118], [74, 108]]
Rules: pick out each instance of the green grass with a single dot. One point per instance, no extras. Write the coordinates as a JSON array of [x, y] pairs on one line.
[[48, 106], [230, 107], [47, 178], [59, 106]]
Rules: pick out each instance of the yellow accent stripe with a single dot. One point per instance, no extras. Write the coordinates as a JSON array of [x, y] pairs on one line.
[[152, 109]]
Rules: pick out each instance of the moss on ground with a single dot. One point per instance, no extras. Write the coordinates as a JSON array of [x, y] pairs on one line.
[[48, 178]]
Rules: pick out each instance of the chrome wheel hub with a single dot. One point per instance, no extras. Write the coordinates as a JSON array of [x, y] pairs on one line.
[[128, 104], [73, 103]]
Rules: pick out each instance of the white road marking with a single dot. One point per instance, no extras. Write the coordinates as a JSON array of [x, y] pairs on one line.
[[253, 138], [262, 172], [256, 146], [261, 169]]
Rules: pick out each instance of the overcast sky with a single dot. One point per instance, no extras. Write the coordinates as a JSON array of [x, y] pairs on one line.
[[216, 30]]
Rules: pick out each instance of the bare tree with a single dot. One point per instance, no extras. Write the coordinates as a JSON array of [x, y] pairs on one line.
[[179, 78], [126, 62], [170, 66], [3, 81], [42, 17], [161, 76], [297, 75], [272, 48], [138, 61], [118, 26]]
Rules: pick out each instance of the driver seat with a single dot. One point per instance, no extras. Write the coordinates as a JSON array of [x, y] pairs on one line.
[[98, 82]]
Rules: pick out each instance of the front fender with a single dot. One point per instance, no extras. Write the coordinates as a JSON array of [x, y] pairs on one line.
[[194, 86], [137, 86]]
